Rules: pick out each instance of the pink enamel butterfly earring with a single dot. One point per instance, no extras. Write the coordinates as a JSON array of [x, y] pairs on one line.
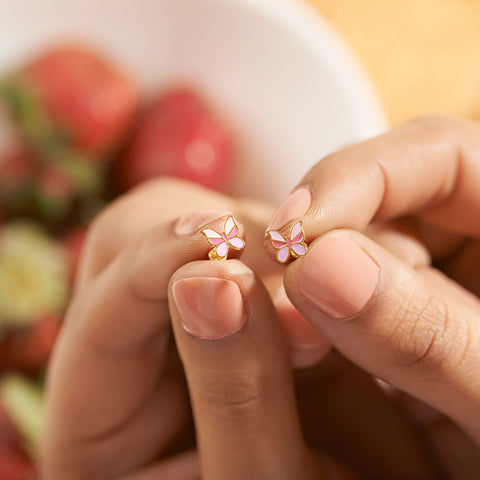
[[293, 245], [222, 242]]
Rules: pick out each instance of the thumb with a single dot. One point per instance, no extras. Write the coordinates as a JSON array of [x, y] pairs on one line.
[[393, 321], [239, 377]]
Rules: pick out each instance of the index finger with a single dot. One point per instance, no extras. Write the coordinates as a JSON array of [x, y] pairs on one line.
[[130, 217], [158, 202], [429, 168]]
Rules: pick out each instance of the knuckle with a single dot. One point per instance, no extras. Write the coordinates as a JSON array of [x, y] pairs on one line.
[[163, 189], [430, 123], [160, 184], [236, 397], [445, 131], [109, 230], [243, 394], [143, 280], [425, 334], [154, 237]]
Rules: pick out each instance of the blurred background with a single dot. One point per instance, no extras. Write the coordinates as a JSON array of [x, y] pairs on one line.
[[422, 55], [224, 93]]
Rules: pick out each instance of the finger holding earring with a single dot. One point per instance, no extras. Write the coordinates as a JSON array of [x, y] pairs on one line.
[[291, 246], [224, 241]]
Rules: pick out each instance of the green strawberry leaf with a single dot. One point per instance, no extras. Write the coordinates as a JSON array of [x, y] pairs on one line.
[[50, 142]]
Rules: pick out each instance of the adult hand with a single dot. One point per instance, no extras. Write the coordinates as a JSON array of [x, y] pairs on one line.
[[416, 192], [244, 402], [117, 402], [116, 395]]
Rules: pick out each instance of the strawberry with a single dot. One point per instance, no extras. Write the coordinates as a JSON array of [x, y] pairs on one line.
[[16, 168], [13, 467], [178, 136], [84, 95], [28, 350], [54, 182], [14, 461], [69, 110], [10, 440]]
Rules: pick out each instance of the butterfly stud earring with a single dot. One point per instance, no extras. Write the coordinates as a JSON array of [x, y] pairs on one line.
[[222, 242], [293, 245]]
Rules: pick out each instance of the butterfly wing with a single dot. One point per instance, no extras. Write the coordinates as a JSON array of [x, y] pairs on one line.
[[277, 239], [222, 249], [296, 233], [212, 236], [237, 243], [231, 229], [283, 254], [299, 249], [280, 243], [297, 240]]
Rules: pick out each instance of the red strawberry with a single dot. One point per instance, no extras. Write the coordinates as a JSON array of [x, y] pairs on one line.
[[179, 136], [71, 109], [14, 462], [14, 467], [55, 183], [74, 242], [10, 440], [85, 95], [16, 167], [28, 350]]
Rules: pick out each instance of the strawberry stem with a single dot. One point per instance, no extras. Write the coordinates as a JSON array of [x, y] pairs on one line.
[[50, 142]]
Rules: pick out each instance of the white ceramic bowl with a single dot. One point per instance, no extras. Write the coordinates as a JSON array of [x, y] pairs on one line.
[[283, 80]]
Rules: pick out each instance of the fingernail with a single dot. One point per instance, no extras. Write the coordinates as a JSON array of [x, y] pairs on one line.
[[295, 205], [339, 277], [210, 308], [192, 222]]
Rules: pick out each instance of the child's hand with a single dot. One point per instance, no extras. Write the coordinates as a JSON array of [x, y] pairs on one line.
[[378, 300]]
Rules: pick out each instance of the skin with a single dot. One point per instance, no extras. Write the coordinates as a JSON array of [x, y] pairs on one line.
[[128, 385]]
